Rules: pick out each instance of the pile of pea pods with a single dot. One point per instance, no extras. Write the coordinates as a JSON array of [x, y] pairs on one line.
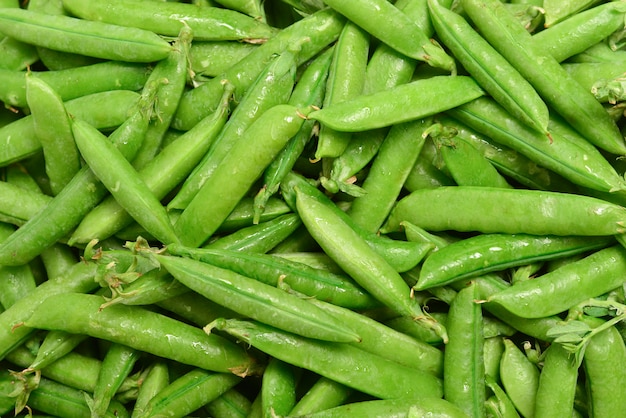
[[312, 208]]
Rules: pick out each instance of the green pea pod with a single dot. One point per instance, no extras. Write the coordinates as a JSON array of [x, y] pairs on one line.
[[117, 364], [402, 33], [323, 285], [346, 78], [17, 56], [195, 308], [400, 408], [493, 347], [55, 345], [243, 165], [376, 110], [343, 363], [51, 397], [582, 30], [527, 211], [122, 180], [207, 23], [78, 279], [144, 332], [54, 131], [499, 404], [231, 403], [244, 213], [18, 204], [212, 58], [170, 75], [490, 69], [312, 33], [355, 257], [509, 162], [399, 150], [545, 74], [464, 367], [556, 11], [323, 394], [387, 343], [118, 105], [75, 82], [272, 87], [188, 393], [401, 255], [560, 289], [91, 38], [257, 300], [278, 388], [309, 90], [557, 384], [161, 175], [520, 378], [605, 382], [156, 379], [486, 253], [260, 238], [563, 155], [467, 166]]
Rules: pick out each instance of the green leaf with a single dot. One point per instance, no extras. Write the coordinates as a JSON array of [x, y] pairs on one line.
[[570, 327]]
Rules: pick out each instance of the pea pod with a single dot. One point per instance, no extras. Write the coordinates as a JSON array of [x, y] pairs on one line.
[[323, 285], [343, 363], [401, 33], [520, 378], [207, 23], [567, 155], [256, 300], [557, 383], [545, 74], [324, 394], [485, 253], [144, 331], [188, 393], [96, 39], [278, 388], [400, 408], [464, 366], [605, 385], [490, 69], [526, 211], [243, 165], [560, 289], [122, 180], [399, 104]]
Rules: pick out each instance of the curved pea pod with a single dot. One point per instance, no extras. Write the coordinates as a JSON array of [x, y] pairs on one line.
[[401, 32], [343, 363], [605, 381], [560, 91], [122, 180], [570, 156], [557, 384], [355, 257], [490, 69], [499, 405], [402, 103], [560, 289], [520, 378], [510, 211], [143, 330], [486, 253], [188, 393], [271, 269], [582, 30], [278, 388], [323, 394], [257, 300], [95, 39], [207, 23], [400, 408], [557, 11]]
